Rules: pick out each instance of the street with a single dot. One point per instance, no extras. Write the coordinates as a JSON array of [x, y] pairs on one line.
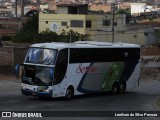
[[142, 98]]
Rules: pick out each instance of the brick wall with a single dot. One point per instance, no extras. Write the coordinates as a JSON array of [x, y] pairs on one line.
[[19, 54], [9, 57], [6, 55], [151, 51]]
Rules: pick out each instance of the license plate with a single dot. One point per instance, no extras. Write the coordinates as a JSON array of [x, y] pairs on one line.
[[34, 94]]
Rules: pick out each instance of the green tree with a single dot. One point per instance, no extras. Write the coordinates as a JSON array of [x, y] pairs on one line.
[[70, 36], [24, 37], [46, 36], [31, 25], [28, 31], [124, 11], [127, 12], [29, 34], [157, 37]]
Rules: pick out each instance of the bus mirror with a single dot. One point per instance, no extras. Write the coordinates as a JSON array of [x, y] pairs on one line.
[[17, 70], [51, 73]]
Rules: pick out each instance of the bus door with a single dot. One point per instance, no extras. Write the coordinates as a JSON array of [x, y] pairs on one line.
[[61, 66]]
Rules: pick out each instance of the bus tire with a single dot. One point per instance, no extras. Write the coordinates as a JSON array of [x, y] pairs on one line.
[[69, 92], [122, 87], [115, 88]]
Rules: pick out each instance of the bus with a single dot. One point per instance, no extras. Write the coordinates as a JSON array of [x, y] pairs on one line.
[[84, 67]]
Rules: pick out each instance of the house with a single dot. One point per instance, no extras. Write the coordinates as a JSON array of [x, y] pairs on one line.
[[105, 7], [97, 27]]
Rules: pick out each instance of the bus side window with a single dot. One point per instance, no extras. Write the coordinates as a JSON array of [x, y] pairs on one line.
[[61, 65]]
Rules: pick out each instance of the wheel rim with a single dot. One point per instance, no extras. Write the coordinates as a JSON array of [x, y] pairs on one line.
[[114, 89], [122, 87], [68, 94]]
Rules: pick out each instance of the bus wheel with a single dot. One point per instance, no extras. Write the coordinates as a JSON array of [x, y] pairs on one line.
[[69, 92], [122, 87], [115, 88]]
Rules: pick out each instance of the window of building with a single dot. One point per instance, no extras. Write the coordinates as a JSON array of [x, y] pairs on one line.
[[64, 23], [106, 22], [46, 22], [157, 30], [115, 23], [88, 24], [135, 36], [76, 23]]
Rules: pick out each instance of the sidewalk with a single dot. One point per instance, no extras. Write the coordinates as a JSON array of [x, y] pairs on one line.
[[7, 77]]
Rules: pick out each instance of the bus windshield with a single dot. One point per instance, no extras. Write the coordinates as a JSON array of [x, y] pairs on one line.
[[41, 56]]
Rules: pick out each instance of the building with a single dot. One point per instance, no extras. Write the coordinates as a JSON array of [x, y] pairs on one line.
[[138, 8], [105, 7], [93, 26]]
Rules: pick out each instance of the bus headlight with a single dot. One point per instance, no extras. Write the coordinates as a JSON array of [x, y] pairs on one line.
[[47, 90], [42, 88]]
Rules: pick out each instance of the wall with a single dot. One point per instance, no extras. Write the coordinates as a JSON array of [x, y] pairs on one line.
[[9, 57], [135, 37], [151, 51], [97, 32]]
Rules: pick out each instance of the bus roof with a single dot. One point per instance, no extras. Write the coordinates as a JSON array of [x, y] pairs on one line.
[[85, 44]]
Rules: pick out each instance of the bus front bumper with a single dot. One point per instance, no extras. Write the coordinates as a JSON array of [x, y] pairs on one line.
[[36, 93]]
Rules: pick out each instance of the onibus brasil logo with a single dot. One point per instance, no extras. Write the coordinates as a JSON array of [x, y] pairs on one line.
[[21, 114]]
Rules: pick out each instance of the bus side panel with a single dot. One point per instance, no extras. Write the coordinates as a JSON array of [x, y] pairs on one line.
[[92, 81], [100, 75], [73, 76], [96, 77], [134, 78], [106, 74]]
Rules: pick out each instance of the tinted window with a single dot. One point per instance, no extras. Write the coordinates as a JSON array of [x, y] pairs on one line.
[[88, 55]]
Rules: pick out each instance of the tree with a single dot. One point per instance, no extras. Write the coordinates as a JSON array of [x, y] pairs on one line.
[[124, 11], [28, 31], [29, 34], [31, 25], [45, 36], [127, 12], [157, 37]]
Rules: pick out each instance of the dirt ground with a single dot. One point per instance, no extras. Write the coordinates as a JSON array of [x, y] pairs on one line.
[[150, 73], [150, 69]]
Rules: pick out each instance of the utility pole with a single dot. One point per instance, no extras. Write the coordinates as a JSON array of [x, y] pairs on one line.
[[113, 9], [16, 8], [70, 40], [22, 8]]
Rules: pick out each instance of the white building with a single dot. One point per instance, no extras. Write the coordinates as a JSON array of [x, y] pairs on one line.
[[137, 8]]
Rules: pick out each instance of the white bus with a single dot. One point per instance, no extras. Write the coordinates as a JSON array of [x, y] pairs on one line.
[[84, 67]]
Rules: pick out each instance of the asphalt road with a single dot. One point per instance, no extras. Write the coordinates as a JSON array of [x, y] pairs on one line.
[[143, 98]]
